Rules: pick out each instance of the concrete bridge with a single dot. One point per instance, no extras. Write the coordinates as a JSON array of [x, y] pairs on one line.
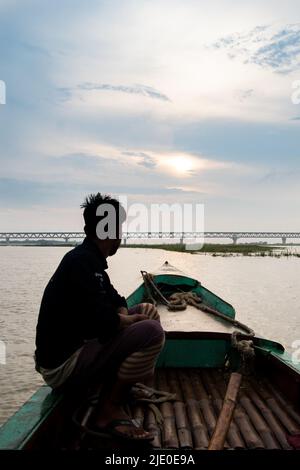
[[181, 236]]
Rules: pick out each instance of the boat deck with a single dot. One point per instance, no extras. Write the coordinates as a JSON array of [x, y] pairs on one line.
[[189, 320], [262, 419]]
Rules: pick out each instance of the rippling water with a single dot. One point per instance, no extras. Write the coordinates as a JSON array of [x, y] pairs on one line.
[[264, 292]]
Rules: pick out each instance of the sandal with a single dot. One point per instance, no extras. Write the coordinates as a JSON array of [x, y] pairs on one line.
[[110, 430]]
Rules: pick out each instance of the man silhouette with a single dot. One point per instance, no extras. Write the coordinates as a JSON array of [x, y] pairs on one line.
[[85, 333]]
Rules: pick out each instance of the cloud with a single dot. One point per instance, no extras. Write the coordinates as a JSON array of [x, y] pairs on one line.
[[78, 160], [133, 89], [64, 93], [279, 177], [269, 47], [88, 108], [29, 193], [21, 193], [143, 158], [243, 95]]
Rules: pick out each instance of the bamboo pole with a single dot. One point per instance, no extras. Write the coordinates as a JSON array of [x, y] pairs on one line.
[[169, 431], [212, 390], [182, 422], [199, 431], [204, 402], [286, 404], [198, 425], [162, 382], [186, 385], [170, 439], [174, 384], [152, 426], [248, 431], [183, 430], [259, 423], [235, 439], [225, 417], [270, 418], [279, 412], [250, 436]]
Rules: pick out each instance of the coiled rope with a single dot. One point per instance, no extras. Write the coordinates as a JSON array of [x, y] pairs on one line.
[[179, 301]]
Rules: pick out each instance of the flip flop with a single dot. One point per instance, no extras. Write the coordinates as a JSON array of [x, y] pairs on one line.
[[110, 430]]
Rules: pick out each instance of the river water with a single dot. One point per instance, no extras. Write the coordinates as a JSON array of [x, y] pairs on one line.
[[263, 290]]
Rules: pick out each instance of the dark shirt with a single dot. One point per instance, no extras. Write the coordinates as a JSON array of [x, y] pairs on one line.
[[79, 303]]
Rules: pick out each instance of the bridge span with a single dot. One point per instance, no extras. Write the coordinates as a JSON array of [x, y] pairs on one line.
[[181, 236]]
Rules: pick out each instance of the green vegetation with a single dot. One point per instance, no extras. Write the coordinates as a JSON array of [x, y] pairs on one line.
[[238, 248], [215, 249], [225, 250]]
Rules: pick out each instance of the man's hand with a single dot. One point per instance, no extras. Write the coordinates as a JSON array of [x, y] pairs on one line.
[[127, 320], [123, 311]]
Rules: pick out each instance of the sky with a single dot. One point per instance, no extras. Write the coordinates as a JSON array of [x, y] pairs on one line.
[[163, 101]]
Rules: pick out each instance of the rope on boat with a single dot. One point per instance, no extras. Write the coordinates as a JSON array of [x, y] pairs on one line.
[[141, 393], [179, 301], [244, 347]]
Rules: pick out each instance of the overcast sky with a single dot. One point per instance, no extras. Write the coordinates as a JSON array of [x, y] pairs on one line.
[[159, 100]]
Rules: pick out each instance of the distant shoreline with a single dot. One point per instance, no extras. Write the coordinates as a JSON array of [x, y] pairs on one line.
[[224, 250], [215, 249]]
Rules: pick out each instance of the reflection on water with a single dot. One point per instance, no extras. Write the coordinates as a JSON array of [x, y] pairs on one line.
[[264, 292]]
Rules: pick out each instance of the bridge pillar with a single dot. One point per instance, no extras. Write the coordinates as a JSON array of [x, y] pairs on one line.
[[124, 241], [66, 239], [7, 240], [234, 239], [284, 240], [181, 239]]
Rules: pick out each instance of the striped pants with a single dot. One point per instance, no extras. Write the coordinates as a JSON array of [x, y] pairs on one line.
[[130, 355], [141, 363]]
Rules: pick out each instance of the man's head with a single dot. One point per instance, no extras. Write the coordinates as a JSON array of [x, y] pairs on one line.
[[103, 217]]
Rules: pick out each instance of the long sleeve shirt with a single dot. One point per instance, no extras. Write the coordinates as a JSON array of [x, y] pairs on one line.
[[79, 303]]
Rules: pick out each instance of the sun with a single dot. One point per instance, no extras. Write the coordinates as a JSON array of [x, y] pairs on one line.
[[181, 165]]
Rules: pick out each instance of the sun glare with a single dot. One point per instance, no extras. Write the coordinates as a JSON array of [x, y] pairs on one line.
[[181, 165]]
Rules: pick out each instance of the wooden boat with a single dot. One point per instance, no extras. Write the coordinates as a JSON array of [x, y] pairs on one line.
[[195, 364]]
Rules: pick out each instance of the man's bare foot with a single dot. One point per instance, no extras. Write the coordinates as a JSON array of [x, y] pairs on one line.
[[107, 414]]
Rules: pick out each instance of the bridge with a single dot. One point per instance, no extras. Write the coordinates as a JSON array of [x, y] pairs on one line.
[[181, 236]]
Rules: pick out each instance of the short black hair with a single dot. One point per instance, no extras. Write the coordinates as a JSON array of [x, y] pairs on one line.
[[91, 204]]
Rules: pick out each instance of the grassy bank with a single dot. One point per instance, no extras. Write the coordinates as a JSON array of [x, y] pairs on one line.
[[210, 248], [225, 249]]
